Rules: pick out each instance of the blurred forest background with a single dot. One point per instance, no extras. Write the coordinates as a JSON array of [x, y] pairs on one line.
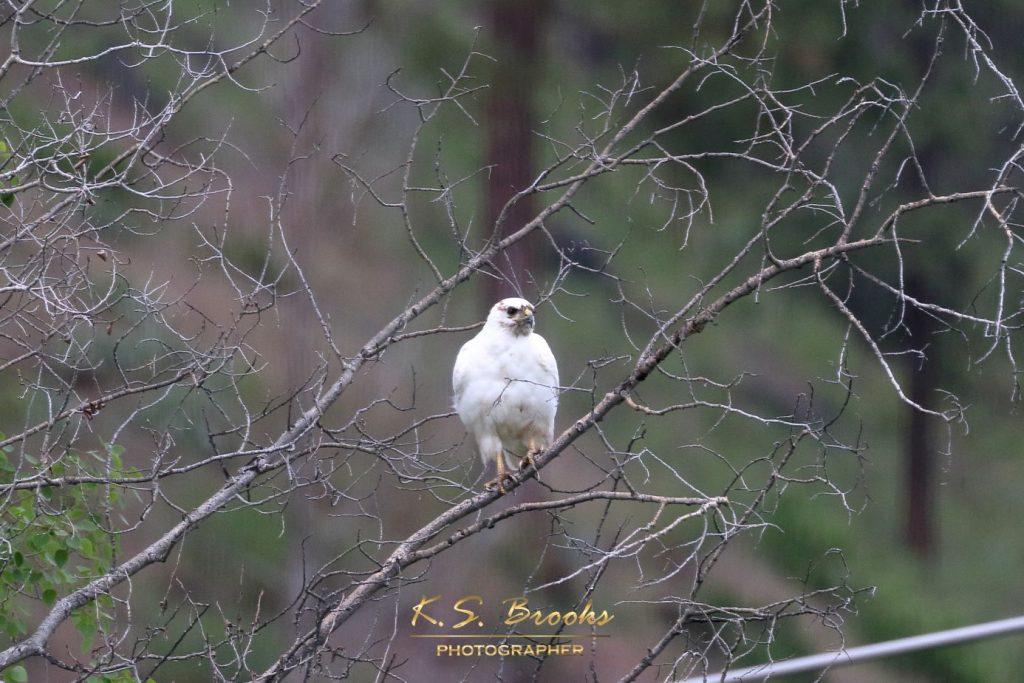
[[210, 207]]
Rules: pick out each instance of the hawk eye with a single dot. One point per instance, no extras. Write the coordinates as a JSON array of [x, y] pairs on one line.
[[512, 310]]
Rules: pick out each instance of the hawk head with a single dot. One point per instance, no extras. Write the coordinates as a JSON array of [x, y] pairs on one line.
[[514, 315]]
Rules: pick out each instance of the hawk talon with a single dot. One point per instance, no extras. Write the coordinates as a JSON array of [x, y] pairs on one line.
[[503, 474], [499, 482], [527, 462]]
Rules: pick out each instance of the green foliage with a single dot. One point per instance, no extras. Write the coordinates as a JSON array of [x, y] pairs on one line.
[[122, 676], [57, 538], [16, 674]]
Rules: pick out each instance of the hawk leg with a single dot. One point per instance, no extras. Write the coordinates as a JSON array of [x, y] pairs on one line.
[[528, 461], [503, 475]]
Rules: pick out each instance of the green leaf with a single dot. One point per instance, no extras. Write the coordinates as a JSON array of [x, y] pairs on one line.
[[60, 557], [49, 596], [84, 526], [16, 674], [13, 628], [85, 624], [7, 198]]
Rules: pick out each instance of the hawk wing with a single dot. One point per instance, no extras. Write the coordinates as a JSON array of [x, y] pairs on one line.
[[465, 362], [548, 367], [546, 381]]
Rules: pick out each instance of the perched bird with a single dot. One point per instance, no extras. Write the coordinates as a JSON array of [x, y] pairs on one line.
[[506, 388]]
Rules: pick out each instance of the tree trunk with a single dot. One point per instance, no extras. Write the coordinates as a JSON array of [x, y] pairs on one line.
[[919, 458], [515, 27]]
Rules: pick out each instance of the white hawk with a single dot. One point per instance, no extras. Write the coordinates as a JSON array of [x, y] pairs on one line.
[[506, 388]]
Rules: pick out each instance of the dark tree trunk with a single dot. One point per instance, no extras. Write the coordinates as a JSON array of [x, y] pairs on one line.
[[515, 27], [919, 458]]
